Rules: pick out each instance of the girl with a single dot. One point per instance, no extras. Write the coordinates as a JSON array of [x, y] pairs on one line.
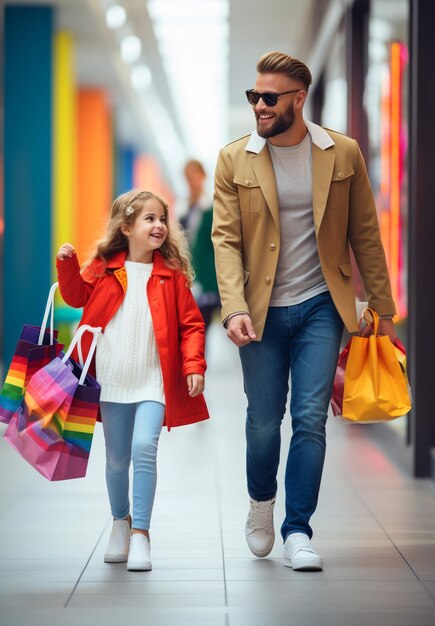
[[150, 358]]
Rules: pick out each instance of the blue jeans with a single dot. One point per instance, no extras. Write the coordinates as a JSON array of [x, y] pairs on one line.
[[132, 431], [302, 340]]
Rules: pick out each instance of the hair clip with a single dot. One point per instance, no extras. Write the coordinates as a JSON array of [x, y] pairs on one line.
[[129, 210]]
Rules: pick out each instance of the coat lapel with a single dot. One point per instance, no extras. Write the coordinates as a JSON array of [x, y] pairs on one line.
[[159, 266], [323, 166], [263, 168], [121, 277]]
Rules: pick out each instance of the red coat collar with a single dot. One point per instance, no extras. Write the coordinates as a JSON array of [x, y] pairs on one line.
[[159, 265], [117, 261]]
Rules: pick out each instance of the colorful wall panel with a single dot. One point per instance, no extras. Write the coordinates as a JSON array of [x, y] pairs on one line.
[[28, 52], [94, 169], [124, 162], [64, 142]]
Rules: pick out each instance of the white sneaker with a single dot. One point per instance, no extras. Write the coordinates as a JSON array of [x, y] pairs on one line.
[[259, 530], [139, 553], [300, 554], [117, 548]]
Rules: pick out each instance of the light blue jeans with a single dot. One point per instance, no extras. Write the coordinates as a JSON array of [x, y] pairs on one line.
[[132, 432], [302, 341]]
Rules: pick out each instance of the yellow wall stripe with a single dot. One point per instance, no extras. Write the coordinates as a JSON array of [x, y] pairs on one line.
[[64, 141]]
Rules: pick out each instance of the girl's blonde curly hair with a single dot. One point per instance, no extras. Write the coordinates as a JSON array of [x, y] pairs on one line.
[[125, 210]]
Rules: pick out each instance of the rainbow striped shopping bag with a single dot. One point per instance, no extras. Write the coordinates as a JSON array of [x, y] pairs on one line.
[[36, 347], [54, 425]]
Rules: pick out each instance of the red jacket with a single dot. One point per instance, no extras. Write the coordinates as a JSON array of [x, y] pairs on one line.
[[178, 325]]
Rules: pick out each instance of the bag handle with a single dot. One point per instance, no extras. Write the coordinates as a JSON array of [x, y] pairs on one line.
[[48, 307], [93, 347], [80, 353], [76, 340], [371, 317]]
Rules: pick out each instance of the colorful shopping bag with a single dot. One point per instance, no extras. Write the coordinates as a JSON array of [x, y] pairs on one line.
[[370, 383], [36, 347], [54, 425], [338, 388]]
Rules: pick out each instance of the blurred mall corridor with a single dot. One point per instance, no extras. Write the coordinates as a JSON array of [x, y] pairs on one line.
[[101, 96]]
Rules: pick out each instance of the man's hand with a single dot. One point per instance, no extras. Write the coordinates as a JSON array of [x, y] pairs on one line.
[[386, 327], [240, 330], [195, 384]]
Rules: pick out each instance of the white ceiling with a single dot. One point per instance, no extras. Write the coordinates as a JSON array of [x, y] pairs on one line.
[[255, 27]]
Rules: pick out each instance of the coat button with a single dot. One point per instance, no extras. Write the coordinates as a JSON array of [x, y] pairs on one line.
[[268, 280], [340, 174], [248, 182], [272, 247], [162, 281]]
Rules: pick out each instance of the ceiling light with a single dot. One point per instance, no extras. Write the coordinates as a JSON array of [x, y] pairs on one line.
[[115, 16], [130, 48], [182, 27]]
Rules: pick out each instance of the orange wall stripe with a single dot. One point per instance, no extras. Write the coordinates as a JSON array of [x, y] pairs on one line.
[[94, 169]]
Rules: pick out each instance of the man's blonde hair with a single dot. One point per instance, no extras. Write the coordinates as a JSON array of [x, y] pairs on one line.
[[280, 63]]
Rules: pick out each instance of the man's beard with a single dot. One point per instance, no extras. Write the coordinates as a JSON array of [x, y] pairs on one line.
[[282, 123]]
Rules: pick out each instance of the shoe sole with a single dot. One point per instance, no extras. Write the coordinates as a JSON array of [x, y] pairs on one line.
[[305, 565], [145, 567], [116, 559]]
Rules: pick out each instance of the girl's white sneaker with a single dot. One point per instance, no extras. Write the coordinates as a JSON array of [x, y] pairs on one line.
[[139, 559], [117, 548]]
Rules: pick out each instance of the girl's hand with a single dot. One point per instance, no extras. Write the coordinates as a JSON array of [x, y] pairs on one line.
[[66, 250], [195, 384]]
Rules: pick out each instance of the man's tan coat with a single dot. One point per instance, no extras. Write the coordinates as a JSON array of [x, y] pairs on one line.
[[246, 229]]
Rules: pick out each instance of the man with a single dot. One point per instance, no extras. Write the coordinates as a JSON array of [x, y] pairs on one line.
[[289, 200], [197, 223]]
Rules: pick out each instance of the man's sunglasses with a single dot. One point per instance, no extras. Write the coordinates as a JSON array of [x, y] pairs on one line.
[[269, 97]]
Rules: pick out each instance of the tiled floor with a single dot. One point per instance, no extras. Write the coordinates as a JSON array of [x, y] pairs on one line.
[[375, 528]]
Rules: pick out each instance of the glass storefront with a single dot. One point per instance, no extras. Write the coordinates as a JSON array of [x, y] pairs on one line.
[[334, 110], [386, 105]]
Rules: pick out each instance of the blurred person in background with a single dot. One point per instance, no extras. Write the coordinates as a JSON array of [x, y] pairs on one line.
[[290, 199], [197, 222]]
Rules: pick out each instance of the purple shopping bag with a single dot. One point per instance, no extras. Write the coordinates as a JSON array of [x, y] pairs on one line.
[[54, 425], [36, 347]]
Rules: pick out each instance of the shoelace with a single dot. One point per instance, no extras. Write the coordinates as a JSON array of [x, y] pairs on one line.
[[300, 543], [260, 515]]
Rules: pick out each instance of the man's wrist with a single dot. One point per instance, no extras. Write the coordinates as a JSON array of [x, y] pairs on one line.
[[227, 319]]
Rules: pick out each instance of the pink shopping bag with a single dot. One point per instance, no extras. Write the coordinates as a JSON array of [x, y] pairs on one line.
[[53, 427]]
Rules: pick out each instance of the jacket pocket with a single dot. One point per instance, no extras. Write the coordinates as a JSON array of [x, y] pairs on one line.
[[338, 197], [251, 197], [342, 175]]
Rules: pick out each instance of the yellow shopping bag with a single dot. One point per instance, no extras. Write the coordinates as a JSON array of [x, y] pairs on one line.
[[375, 388]]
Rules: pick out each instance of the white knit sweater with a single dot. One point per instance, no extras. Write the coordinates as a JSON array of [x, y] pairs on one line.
[[128, 366]]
